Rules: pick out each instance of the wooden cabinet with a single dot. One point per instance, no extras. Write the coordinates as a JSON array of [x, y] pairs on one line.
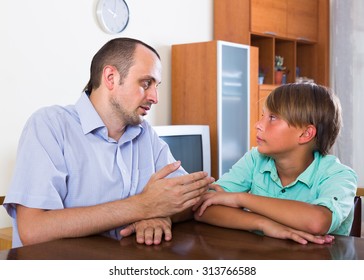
[[210, 86], [298, 30], [269, 47], [294, 19]]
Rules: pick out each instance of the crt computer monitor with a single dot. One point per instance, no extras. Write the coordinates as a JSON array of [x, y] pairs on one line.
[[190, 144]]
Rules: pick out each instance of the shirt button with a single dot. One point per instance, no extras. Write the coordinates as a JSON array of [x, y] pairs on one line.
[[283, 191]]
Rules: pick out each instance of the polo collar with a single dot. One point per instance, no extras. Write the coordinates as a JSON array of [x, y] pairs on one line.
[[306, 177]]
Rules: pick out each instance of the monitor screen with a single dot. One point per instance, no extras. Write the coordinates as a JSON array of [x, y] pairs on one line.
[[187, 149], [188, 143]]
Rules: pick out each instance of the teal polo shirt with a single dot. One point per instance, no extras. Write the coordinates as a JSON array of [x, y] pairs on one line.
[[326, 182]]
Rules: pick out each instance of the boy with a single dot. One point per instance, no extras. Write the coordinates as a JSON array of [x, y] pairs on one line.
[[288, 186]]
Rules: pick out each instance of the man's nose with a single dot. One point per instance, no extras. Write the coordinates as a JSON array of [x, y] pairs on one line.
[[153, 95]]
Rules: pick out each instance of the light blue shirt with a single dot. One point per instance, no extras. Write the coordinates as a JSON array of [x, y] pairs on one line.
[[66, 159], [325, 182]]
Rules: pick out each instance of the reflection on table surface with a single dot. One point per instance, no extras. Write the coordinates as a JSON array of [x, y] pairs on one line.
[[191, 241]]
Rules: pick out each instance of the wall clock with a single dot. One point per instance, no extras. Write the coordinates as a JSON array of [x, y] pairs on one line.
[[113, 15]]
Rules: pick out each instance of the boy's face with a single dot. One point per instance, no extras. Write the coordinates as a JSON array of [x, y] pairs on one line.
[[275, 137]]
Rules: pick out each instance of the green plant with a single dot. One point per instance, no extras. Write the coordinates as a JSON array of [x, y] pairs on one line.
[[279, 63]]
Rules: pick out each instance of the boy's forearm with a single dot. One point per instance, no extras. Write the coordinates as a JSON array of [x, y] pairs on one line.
[[237, 218], [229, 217], [312, 218]]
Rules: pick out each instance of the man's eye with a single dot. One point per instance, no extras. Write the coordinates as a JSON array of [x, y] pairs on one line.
[[146, 84]]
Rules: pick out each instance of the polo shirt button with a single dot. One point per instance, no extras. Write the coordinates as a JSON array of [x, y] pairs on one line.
[[283, 191], [335, 198]]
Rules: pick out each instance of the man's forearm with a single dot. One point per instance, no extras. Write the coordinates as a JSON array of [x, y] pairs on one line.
[[37, 225]]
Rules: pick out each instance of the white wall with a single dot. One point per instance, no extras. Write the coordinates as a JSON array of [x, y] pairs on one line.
[[347, 70], [46, 48]]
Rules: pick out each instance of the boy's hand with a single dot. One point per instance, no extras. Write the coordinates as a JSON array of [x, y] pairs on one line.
[[276, 230], [216, 197]]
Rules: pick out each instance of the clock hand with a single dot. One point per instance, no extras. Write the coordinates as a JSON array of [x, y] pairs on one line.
[[112, 12]]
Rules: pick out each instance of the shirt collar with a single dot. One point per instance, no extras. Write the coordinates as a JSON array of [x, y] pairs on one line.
[[130, 133], [92, 122], [305, 177], [89, 118]]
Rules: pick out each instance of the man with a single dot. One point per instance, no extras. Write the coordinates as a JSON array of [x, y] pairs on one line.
[[97, 166]]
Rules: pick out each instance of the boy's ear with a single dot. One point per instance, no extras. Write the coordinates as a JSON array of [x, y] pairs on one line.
[[309, 132]]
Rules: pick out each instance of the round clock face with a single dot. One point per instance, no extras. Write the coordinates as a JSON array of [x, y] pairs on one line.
[[113, 15]]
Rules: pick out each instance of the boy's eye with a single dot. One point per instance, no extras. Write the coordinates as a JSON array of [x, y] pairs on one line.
[[272, 117]]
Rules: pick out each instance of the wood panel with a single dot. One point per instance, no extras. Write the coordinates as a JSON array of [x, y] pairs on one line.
[[323, 44], [287, 49], [264, 91], [232, 21], [6, 238], [254, 94], [268, 17], [360, 191], [302, 19], [266, 56], [194, 89]]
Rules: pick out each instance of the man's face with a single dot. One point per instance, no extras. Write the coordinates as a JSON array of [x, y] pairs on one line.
[[132, 99]]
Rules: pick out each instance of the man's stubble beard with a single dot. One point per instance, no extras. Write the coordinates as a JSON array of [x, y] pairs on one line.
[[129, 118]]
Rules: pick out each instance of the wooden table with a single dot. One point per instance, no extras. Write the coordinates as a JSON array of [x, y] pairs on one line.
[[191, 241]]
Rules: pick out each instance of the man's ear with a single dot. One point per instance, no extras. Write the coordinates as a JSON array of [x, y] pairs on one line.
[[308, 133], [109, 76]]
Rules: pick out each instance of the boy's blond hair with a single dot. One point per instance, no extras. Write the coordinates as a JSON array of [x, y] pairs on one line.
[[304, 104]]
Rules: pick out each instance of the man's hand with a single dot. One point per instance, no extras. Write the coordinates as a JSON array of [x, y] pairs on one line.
[[164, 197], [150, 231]]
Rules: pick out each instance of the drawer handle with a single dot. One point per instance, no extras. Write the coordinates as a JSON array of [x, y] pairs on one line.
[[270, 33]]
